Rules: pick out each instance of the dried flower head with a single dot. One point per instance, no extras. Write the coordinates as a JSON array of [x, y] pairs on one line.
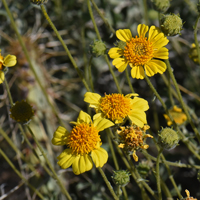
[[188, 196], [132, 138], [21, 112], [168, 138], [177, 114], [141, 53], [171, 24]]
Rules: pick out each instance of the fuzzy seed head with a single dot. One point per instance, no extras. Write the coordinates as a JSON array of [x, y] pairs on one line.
[[121, 177], [98, 48]]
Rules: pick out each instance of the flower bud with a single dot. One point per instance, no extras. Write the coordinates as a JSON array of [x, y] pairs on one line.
[[144, 168], [21, 112], [121, 177], [98, 48], [168, 138], [161, 5], [171, 24], [193, 53], [38, 2]]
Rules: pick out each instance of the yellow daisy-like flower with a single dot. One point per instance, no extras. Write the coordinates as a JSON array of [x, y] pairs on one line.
[[117, 107], [83, 143], [8, 61], [178, 115], [132, 138], [140, 52]]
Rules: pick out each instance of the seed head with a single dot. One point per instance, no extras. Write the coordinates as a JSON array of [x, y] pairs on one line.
[[98, 48], [121, 177]]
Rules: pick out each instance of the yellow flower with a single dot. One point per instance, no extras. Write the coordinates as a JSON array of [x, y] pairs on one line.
[[140, 52], [8, 61], [117, 107], [188, 196], [178, 115], [83, 143], [132, 138]]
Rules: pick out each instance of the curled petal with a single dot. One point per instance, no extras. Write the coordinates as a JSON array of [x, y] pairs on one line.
[[124, 34], [2, 77], [153, 32], [160, 65], [115, 52], [92, 98], [99, 157], [83, 117], [59, 137], [10, 61], [120, 64]]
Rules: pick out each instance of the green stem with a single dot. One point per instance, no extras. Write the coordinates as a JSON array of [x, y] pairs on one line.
[[195, 38], [129, 81], [158, 175], [181, 100], [49, 164], [20, 175], [65, 47], [8, 91], [145, 11], [29, 60], [102, 17], [108, 183], [170, 91], [166, 190], [90, 74]]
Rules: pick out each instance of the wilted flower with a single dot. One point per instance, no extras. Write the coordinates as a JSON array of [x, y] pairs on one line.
[[83, 144], [117, 107]]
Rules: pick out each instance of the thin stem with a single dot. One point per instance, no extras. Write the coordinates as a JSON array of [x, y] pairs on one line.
[[170, 91], [102, 17], [129, 81], [19, 174], [108, 183], [195, 38], [181, 100], [65, 47], [90, 74], [49, 164], [29, 61], [158, 175], [93, 21], [8, 91], [145, 12]]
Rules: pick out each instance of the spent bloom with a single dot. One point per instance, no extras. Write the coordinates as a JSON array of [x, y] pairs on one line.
[[8, 61], [132, 138], [141, 53], [178, 115], [188, 196], [83, 144], [116, 107]]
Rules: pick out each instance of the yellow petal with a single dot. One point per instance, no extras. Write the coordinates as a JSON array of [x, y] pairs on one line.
[[140, 104], [150, 69], [66, 158], [124, 34], [160, 65], [162, 53], [137, 72], [83, 164], [135, 156], [132, 95], [142, 30], [59, 137], [2, 77], [99, 157], [138, 118], [115, 52], [153, 32], [159, 41], [10, 61], [92, 98], [102, 124], [83, 117], [120, 64]]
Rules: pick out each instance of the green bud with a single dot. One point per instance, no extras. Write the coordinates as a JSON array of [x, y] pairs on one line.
[[98, 48], [121, 177], [161, 5], [38, 2], [168, 138], [143, 169], [171, 24]]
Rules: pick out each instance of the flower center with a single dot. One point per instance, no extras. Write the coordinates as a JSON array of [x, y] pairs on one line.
[[115, 106], [138, 51], [83, 138]]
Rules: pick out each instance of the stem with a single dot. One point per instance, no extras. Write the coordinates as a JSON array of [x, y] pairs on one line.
[[102, 17], [129, 81], [29, 61], [8, 91], [158, 175], [65, 47], [90, 74], [108, 183], [170, 92], [49, 164], [145, 12], [19, 174], [181, 100], [195, 38]]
